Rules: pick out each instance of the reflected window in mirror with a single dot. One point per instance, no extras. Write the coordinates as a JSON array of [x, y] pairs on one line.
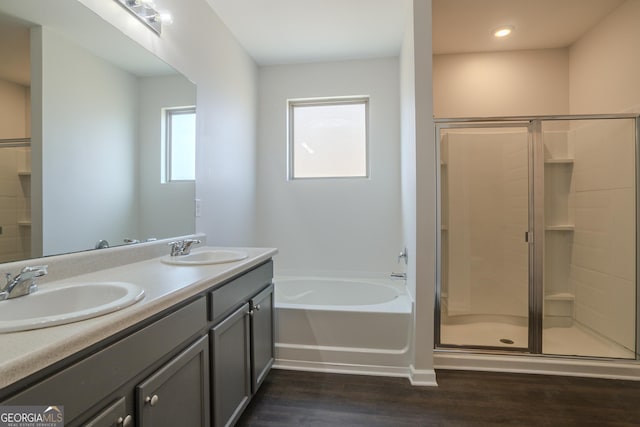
[[180, 144]]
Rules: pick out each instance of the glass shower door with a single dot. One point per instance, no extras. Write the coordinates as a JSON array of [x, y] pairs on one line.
[[483, 296]]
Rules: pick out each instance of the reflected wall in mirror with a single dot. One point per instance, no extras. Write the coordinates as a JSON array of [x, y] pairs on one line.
[[94, 166]]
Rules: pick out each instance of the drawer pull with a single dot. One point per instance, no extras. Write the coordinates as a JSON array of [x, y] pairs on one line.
[[152, 401]]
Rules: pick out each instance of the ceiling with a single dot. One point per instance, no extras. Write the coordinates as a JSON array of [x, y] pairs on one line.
[[461, 26], [297, 31]]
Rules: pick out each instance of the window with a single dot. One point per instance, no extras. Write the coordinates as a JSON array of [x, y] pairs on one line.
[[328, 138], [180, 144]]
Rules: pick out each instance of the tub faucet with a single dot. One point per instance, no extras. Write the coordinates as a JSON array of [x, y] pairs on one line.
[[403, 254], [23, 283], [182, 247]]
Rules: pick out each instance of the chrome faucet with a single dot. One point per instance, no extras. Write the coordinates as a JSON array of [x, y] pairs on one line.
[[23, 283], [182, 247], [403, 254], [102, 244]]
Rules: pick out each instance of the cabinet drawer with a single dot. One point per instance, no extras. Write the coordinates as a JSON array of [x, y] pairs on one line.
[[85, 383], [115, 415], [225, 299]]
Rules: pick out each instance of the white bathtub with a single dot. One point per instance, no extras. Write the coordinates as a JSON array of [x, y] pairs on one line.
[[343, 325]]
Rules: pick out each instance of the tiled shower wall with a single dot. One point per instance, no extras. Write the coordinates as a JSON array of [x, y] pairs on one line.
[[15, 203], [602, 269]]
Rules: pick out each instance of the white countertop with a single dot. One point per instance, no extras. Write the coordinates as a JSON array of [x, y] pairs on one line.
[[27, 352]]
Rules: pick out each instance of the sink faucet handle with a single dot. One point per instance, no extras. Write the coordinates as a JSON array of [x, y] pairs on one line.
[[38, 270], [186, 245], [176, 247], [182, 247], [30, 271]]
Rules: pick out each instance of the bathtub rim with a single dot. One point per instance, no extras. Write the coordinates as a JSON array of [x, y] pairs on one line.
[[402, 303]]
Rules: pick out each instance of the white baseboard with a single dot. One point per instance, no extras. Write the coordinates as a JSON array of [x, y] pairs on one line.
[[613, 369], [338, 368], [422, 377]]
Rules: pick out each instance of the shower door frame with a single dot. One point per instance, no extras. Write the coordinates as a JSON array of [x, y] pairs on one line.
[[535, 233]]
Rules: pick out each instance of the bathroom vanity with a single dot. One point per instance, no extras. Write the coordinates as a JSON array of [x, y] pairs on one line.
[[191, 353]]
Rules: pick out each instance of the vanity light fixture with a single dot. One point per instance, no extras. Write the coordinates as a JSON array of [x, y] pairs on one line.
[[146, 11], [504, 31]]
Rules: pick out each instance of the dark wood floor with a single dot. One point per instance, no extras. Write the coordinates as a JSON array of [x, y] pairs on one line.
[[301, 399]]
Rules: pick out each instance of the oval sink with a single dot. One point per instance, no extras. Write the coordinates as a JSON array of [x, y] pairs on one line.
[[66, 304], [212, 256]]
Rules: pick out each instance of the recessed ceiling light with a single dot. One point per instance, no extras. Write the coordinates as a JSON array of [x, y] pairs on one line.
[[503, 32]]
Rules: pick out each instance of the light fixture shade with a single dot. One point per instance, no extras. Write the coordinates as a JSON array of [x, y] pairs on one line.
[[145, 11]]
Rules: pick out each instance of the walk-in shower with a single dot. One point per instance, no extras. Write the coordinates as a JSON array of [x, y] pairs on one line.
[[538, 241]]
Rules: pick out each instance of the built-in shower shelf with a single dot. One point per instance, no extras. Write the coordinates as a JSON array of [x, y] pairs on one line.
[[564, 227], [24, 173], [566, 161], [24, 223], [560, 296]]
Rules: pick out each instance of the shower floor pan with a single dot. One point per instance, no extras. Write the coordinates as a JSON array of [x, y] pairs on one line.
[[569, 341]]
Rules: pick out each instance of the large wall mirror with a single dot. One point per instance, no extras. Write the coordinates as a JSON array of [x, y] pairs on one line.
[[82, 119]]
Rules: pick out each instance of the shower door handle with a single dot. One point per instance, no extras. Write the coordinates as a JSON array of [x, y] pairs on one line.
[[528, 237]]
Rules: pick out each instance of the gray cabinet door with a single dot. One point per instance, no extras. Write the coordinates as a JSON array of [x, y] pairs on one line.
[[231, 367], [178, 393], [262, 342], [115, 415]]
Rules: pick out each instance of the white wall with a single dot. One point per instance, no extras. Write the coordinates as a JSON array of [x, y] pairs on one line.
[[605, 65], [514, 83], [199, 46], [408, 151], [425, 196], [331, 225], [165, 208], [83, 139], [604, 69]]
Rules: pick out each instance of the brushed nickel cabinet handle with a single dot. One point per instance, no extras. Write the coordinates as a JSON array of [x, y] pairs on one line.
[[152, 401]]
